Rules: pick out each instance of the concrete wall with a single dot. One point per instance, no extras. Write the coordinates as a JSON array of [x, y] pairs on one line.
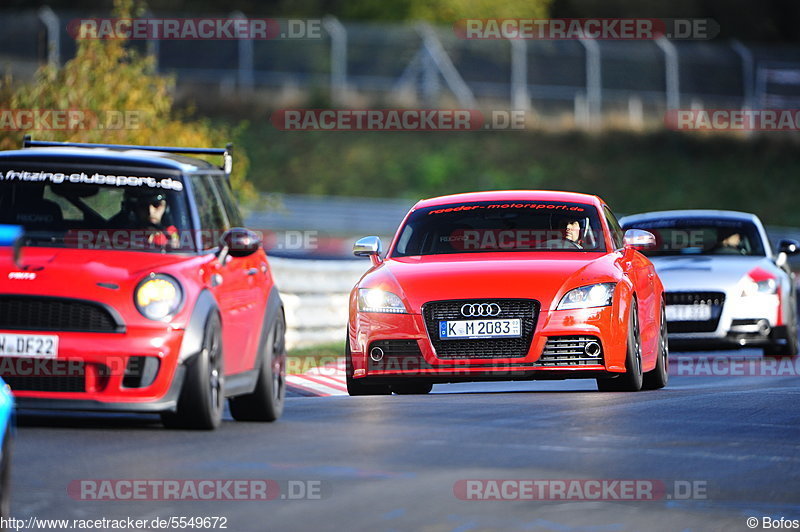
[[315, 296], [315, 293]]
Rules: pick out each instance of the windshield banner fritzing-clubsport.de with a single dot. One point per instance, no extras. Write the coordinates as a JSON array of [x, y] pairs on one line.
[[93, 179]]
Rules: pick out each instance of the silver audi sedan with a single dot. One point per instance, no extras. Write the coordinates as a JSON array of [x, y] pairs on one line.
[[723, 282]]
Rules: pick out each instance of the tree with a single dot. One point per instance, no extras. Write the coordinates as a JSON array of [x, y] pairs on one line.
[[121, 100]]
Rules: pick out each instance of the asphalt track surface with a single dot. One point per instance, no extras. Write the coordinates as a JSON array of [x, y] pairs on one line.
[[711, 450]]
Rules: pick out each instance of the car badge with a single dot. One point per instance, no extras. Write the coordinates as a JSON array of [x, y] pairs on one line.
[[22, 276], [480, 310]]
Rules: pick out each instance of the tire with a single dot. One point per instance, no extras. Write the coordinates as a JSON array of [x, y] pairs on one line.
[[631, 380], [412, 388], [658, 377], [203, 395], [265, 403], [790, 348], [5, 475], [356, 387]]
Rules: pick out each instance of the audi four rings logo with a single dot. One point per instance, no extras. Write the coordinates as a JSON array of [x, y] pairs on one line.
[[480, 309]]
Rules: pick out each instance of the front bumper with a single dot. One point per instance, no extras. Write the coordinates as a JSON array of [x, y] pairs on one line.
[[415, 354], [134, 371], [168, 403], [750, 321]]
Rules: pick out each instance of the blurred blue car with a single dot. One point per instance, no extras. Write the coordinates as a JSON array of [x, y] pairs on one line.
[[6, 429], [10, 235]]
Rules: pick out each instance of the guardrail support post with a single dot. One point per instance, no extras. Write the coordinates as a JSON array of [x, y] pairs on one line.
[[153, 46], [439, 58], [51, 22], [246, 79], [338, 35], [672, 89], [748, 77], [594, 83], [520, 98]]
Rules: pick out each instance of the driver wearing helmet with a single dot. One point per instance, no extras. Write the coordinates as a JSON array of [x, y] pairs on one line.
[[144, 210]]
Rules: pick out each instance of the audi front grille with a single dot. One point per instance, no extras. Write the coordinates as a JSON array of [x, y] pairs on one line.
[[716, 300], [526, 310]]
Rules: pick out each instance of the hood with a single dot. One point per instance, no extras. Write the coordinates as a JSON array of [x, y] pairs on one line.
[[76, 271], [542, 276], [703, 272]]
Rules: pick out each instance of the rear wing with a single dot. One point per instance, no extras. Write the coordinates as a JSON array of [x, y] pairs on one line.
[[226, 152]]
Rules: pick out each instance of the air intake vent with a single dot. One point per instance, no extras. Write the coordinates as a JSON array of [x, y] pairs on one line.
[[571, 351], [33, 313]]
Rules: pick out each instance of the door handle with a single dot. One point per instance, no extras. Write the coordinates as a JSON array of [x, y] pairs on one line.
[[252, 271]]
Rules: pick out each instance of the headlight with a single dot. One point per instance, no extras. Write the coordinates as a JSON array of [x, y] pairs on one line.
[[752, 288], [376, 300], [594, 295], [158, 296]]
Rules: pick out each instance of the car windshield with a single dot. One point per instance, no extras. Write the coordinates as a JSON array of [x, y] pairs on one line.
[[702, 236], [501, 226], [95, 210]]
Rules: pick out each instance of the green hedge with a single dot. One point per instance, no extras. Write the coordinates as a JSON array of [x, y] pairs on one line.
[[633, 172]]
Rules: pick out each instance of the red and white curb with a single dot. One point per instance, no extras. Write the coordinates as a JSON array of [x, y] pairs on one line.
[[322, 381]]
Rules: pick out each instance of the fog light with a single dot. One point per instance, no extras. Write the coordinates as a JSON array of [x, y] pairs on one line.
[[592, 349], [376, 354]]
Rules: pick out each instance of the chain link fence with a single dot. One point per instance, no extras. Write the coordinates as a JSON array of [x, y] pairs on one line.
[[371, 64]]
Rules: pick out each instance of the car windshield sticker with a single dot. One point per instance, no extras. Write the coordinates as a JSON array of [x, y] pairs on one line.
[[534, 206], [93, 179], [689, 222]]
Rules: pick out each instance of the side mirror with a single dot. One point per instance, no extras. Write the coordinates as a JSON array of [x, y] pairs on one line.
[[369, 246], [639, 239], [790, 247], [239, 242]]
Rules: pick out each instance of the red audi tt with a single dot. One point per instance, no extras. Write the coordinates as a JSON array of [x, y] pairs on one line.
[[507, 285]]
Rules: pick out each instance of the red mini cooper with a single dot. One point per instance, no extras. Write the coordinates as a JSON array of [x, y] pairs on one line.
[[135, 287]]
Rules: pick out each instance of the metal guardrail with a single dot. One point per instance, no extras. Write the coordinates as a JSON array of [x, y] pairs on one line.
[[330, 214], [338, 221], [315, 292], [340, 215]]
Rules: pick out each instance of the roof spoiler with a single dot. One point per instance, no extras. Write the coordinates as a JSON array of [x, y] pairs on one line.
[[226, 152]]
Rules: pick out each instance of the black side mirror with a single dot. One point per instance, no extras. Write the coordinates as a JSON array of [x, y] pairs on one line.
[[240, 242], [790, 247]]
